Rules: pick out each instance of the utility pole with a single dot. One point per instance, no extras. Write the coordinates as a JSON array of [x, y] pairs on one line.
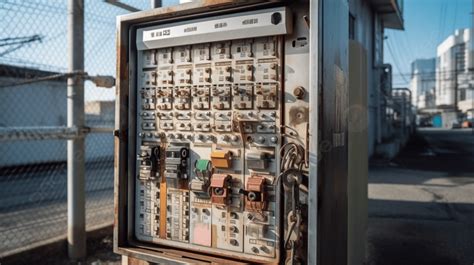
[[76, 230], [471, 66], [456, 56]]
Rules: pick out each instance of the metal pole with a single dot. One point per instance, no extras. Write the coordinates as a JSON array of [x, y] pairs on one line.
[[470, 44], [378, 124], [76, 234], [456, 56], [404, 116]]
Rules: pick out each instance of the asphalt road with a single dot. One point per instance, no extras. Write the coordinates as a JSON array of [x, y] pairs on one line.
[[33, 203], [421, 205]]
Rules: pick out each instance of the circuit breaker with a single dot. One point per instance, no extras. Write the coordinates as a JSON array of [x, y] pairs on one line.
[[217, 137]]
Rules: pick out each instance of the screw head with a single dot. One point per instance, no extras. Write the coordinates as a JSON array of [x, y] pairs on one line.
[[299, 92]]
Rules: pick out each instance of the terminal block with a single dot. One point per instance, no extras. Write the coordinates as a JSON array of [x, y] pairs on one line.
[[149, 158], [201, 98], [220, 189], [177, 215], [200, 184], [221, 159], [221, 97], [243, 97], [255, 197], [176, 162], [266, 96]]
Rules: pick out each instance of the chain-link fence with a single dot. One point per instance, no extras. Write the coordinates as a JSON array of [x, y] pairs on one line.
[[33, 170]]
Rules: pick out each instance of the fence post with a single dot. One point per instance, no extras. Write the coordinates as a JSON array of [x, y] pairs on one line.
[[76, 234], [155, 3]]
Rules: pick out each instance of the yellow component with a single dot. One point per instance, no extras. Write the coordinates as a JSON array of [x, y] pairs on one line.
[[221, 159]]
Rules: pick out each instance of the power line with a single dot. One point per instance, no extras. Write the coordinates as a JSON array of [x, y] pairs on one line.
[[17, 43], [398, 50], [455, 16], [435, 72], [442, 20], [19, 40], [395, 59]]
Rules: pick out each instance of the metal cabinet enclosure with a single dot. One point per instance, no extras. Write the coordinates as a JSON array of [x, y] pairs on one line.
[[221, 112]]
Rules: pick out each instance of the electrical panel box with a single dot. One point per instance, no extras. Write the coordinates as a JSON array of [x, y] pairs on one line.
[[218, 136]]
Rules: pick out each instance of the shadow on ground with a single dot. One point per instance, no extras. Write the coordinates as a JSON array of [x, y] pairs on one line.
[[421, 204], [99, 252]]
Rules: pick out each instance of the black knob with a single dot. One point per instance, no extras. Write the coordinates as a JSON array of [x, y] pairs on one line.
[[219, 191], [276, 18]]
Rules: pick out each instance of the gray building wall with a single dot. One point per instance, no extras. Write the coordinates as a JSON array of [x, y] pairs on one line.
[[454, 48], [368, 31], [370, 18], [361, 11]]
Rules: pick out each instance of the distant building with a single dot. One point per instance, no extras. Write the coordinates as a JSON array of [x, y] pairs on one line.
[[100, 112], [40, 104], [423, 83], [454, 65], [44, 104]]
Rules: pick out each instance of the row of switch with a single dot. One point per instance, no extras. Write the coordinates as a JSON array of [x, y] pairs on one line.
[[201, 53], [243, 98], [219, 126], [265, 73], [221, 116], [240, 74], [211, 138]]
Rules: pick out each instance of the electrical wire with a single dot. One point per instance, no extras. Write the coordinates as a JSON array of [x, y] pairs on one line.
[[470, 71], [292, 155], [455, 15], [395, 59], [442, 20]]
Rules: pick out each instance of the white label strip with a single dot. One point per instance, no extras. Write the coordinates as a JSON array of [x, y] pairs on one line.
[[266, 22]]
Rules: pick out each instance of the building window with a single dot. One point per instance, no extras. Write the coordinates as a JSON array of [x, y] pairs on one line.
[[462, 94], [460, 57], [352, 25]]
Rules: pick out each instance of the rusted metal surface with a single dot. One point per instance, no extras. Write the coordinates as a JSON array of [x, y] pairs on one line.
[[134, 261], [170, 256], [220, 185], [121, 123], [195, 7], [255, 197], [298, 115]]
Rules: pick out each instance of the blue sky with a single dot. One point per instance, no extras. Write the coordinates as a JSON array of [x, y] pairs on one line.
[[427, 24]]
